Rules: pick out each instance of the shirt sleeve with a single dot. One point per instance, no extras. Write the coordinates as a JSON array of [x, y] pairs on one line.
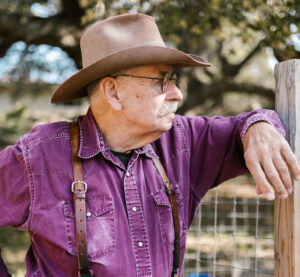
[[14, 196], [216, 148], [14, 184]]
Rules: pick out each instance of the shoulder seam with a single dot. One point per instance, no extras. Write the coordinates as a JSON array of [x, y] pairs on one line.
[[183, 138], [30, 180]]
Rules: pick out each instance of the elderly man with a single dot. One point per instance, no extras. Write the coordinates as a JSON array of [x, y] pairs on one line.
[[139, 171]]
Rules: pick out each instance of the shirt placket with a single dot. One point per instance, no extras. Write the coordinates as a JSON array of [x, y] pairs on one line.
[[137, 224]]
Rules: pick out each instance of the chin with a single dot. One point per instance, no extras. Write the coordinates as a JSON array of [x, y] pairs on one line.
[[167, 123]]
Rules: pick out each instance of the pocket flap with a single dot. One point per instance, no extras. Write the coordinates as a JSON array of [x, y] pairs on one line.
[[95, 206], [178, 194], [161, 197]]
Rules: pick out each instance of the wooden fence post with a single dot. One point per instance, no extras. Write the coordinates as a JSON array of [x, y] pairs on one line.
[[287, 212]]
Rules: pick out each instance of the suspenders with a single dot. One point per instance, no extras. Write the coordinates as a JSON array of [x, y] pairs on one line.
[[79, 189], [172, 199]]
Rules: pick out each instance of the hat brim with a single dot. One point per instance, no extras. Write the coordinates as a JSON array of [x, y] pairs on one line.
[[75, 86]]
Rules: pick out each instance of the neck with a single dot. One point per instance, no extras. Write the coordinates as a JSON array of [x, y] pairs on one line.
[[121, 136]]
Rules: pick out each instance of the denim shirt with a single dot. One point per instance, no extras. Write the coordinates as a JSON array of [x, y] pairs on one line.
[[129, 221]]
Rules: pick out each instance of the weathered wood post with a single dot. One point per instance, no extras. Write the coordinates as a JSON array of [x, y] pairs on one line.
[[287, 212]]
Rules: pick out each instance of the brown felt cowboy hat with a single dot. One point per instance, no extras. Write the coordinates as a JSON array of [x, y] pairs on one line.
[[117, 43]]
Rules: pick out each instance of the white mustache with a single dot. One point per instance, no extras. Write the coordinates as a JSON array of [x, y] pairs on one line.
[[168, 107]]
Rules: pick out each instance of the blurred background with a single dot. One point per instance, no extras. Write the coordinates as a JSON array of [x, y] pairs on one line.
[[39, 49]]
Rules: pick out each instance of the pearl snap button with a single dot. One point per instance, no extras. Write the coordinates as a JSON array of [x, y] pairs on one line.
[[127, 173], [88, 214], [141, 244], [134, 209]]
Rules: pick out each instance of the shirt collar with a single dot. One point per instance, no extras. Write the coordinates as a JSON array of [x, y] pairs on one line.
[[92, 141]]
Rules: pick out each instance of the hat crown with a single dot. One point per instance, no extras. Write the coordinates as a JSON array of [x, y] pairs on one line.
[[118, 33]]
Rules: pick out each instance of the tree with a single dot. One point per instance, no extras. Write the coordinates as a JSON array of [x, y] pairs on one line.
[[229, 33]]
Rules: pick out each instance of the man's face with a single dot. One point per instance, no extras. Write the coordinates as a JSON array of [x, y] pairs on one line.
[[144, 105]]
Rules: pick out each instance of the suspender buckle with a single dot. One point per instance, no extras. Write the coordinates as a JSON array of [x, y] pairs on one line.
[[79, 182]]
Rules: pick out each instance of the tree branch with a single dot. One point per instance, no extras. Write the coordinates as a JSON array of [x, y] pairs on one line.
[[199, 92], [232, 70], [288, 54], [72, 10], [55, 31]]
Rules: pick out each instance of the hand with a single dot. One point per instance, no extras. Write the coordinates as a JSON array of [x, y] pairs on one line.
[[269, 157]]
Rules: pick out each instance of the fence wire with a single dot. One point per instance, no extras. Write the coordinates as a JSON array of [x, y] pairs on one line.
[[232, 233]]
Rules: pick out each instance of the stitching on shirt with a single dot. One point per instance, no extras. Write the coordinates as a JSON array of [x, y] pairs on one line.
[[64, 127], [49, 172], [34, 139], [131, 164], [100, 144], [66, 232], [91, 154], [256, 118], [29, 172], [32, 142], [160, 227], [62, 136], [183, 138], [181, 128], [146, 250], [70, 236], [89, 168]]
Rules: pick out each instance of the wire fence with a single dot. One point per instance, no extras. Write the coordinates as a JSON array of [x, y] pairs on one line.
[[232, 233]]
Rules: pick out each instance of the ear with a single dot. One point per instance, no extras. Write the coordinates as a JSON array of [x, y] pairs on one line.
[[110, 90]]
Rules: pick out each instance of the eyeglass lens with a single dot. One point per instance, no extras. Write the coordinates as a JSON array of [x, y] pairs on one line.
[[166, 79]]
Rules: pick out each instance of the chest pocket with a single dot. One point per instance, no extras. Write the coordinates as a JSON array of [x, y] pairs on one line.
[[165, 215], [100, 227]]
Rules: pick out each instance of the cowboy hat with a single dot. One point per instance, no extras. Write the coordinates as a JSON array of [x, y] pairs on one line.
[[117, 43]]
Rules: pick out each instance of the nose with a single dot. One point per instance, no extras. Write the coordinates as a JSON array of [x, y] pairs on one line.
[[173, 93]]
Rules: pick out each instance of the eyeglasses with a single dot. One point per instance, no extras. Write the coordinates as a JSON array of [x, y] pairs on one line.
[[165, 80]]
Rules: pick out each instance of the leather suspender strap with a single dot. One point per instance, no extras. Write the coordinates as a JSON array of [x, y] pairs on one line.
[[172, 199], [79, 188]]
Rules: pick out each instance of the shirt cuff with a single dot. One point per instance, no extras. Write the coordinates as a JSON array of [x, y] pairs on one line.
[[259, 117]]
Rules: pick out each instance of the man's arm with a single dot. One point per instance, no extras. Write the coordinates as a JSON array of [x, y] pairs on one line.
[[14, 195], [269, 157]]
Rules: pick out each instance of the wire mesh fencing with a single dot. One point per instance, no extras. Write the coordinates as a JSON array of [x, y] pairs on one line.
[[232, 233]]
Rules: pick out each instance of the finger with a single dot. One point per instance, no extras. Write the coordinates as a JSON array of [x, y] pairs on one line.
[[262, 184], [274, 178], [258, 191], [283, 172], [291, 160]]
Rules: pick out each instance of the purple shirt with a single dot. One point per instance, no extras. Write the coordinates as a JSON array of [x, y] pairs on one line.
[[129, 222]]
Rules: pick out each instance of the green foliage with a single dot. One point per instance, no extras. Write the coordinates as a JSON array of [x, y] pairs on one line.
[[188, 23], [13, 125], [14, 245]]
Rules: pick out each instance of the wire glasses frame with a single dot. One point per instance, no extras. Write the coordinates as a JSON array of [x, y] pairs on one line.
[[165, 80]]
